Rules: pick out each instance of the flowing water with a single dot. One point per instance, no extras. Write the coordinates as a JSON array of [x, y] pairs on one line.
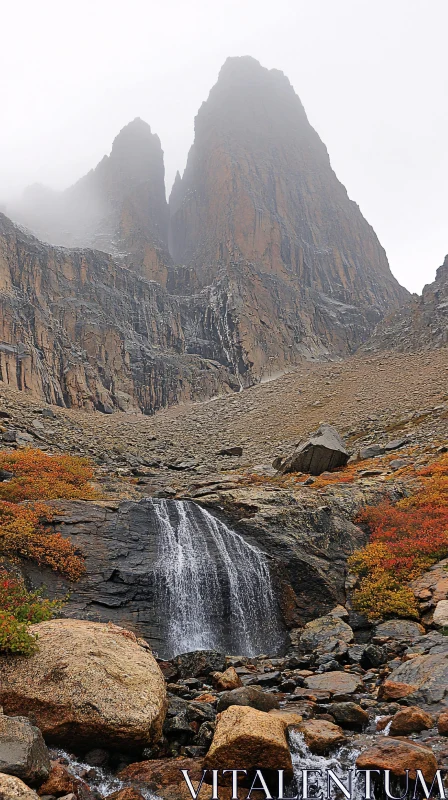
[[98, 779], [341, 762], [213, 588]]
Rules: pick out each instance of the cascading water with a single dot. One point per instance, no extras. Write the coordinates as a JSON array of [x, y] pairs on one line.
[[213, 588], [341, 762]]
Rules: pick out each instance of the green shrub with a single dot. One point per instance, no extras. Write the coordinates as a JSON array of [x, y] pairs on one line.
[[15, 636]]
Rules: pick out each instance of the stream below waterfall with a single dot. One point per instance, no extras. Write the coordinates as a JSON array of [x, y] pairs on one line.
[[212, 587]]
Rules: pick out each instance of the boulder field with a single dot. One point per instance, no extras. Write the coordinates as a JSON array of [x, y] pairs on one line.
[[135, 723]]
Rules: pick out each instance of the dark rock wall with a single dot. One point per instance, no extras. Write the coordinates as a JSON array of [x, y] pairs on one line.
[[307, 551]]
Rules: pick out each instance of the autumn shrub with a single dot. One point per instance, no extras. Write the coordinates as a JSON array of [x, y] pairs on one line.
[[39, 476], [406, 539], [23, 535]]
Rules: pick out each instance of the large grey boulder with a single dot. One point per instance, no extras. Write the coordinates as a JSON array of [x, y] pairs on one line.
[[401, 630], [428, 677], [324, 450], [23, 752], [324, 632]]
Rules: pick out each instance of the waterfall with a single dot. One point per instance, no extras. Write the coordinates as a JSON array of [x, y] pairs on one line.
[[213, 588]]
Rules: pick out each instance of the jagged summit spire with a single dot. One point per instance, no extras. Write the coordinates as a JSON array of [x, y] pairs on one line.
[[239, 68], [134, 131]]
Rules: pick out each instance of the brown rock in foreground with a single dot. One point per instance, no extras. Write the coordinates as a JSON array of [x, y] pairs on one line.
[[320, 735], [246, 738], [391, 690], [410, 720], [162, 772], [226, 681], [61, 782], [182, 792], [398, 756], [126, 794], [12, 788], [442, 723], [427, 674], [88, 682]]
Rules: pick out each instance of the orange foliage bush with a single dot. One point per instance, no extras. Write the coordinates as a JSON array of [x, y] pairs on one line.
[[23, 535], [38, 476], [406, 539]]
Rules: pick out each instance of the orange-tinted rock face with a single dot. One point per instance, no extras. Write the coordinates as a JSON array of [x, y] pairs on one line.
[[78, 329], [259, 188]]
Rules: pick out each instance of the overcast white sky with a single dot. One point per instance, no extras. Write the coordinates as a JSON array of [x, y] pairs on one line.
[[372, 75]]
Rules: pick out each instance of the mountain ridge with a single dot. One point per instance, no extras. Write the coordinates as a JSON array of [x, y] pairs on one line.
[[271, 262]]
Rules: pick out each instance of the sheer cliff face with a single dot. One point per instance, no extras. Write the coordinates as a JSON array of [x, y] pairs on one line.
[[258, 187], [119, 207], [80, 330], [270, 261], [420, 324]]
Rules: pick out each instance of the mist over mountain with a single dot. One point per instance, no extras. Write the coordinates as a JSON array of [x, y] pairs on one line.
[[260, 255]]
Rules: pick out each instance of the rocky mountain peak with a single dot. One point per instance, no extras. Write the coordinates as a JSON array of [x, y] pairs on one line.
[[119, 207], [136, 156]]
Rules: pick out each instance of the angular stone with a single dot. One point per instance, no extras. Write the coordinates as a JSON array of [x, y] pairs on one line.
[[393, 690], [23, 752], [320, 735], [399, 629], [199, 662], [349, 715], [335, 682], [371, 451], [442, 723], [440, 617], [373, 656], [324, 450], [320, 631], [248, 696], [226, 681], [126, 794], [157, 773], [246, 738], [398, 756], [231, 451], [395, 444], [427, 674], [411, 720], [60, 781]]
